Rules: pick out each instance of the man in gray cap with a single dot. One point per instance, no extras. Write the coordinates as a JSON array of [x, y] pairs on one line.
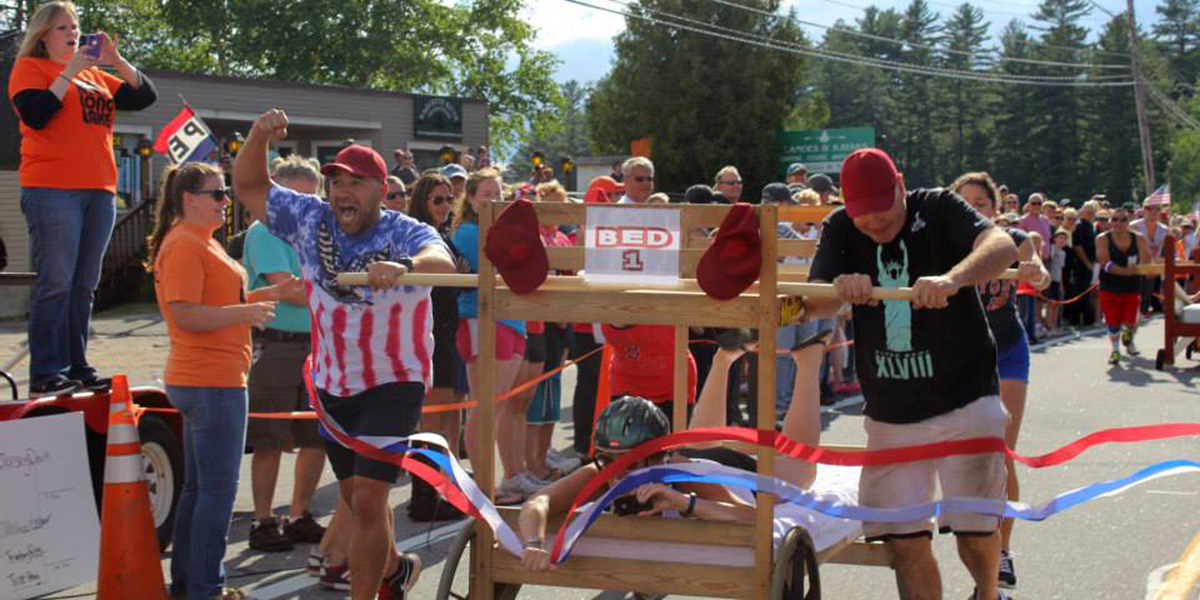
[[458, 178], [797, 173], [823, 185]]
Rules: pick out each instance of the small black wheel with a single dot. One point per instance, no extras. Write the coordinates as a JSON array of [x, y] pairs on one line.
[[448, 588], [1161, 358], [162, 462]]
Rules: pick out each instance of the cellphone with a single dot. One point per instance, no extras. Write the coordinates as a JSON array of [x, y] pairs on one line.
[[91, 42], [628, 505]]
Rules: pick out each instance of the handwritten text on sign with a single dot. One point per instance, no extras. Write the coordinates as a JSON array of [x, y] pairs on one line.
[[631, 245], [49, 532]]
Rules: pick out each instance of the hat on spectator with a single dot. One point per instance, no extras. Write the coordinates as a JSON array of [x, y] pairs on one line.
[[453, 170], [778, 193], [733, 260], [796, 168], [359, 161], [515, 246], [820, 183], [698, 194], [869, 180], [599, 189]]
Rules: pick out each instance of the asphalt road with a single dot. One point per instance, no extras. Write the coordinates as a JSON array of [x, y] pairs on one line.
[[1114, 548]]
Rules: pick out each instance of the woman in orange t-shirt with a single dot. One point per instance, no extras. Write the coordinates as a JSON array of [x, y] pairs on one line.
[[68, 183], [202, 295]]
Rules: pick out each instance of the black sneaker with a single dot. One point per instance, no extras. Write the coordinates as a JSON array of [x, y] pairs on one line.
[[266, 537], [59, 386], [96, 384], [1008, 574], [407, 572], [305, 530]]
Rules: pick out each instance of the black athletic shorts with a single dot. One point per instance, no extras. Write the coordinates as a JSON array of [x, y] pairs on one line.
[[392, 409]]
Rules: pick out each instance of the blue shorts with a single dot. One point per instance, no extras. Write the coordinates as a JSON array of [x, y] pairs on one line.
[[1013, 361], [546, 407]]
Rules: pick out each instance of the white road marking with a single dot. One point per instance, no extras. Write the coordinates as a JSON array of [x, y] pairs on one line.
[[1172, 493], [303, 581]]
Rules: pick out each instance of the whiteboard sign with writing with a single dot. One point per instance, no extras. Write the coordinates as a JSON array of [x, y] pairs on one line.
[[49, 531], [628, 245]]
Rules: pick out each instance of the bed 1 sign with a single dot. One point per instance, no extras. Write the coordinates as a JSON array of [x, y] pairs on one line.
[[625, 244], [49, 532]]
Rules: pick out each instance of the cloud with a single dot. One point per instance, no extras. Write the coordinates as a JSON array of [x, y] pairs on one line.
[[559, 22]]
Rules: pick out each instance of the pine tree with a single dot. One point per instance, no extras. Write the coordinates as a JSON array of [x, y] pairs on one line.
[[1012, 159], [1113, 153], [1178, 35], [964, 35], [920, 130], [1055, 139]]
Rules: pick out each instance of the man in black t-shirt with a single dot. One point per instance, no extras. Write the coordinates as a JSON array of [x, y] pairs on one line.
[[927, 366]]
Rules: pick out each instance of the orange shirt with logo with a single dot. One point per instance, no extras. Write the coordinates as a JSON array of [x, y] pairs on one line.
[[74, 150], [192, 267]]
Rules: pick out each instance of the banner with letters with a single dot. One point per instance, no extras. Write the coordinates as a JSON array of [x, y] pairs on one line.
[[631, 245]]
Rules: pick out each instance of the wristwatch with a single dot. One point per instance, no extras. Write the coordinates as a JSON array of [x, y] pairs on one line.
[[407, 262], [536, 544]]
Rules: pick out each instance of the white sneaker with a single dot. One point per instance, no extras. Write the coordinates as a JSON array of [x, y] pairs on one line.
[[530, 483], [563, 463], [511, 486]]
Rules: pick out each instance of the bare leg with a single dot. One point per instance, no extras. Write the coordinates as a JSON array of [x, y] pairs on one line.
[[917, 576], [537, 444], [506, 371], [371, 541], [510, 424], [309, 464], [981, 555], [264, 471], [803, 420], [1012, 394], [335, 544], [710, 407]]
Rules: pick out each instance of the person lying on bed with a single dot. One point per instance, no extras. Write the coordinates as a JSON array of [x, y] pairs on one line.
[[631, 421]]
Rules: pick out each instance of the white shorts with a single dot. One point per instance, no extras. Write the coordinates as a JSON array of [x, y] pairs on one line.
[[905, 484]]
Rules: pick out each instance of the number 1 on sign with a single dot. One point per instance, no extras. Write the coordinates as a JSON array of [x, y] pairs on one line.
[[631, 260]]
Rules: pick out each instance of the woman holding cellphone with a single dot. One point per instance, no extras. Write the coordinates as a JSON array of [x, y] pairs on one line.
[[66, 106]]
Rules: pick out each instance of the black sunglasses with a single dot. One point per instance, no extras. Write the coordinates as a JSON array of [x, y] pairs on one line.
[[218, 194], [440, 200], [732, 182], [394, 195]]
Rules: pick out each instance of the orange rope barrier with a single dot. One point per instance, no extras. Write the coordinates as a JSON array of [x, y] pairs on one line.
[[1075, 299]]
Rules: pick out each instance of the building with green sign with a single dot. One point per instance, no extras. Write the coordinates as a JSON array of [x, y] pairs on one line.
[[822, 150]]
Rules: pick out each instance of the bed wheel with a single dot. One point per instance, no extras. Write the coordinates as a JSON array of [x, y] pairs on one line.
[[454, 558], [1159, 359], [795, 575]]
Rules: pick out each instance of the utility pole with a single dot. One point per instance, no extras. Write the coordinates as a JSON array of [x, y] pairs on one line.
[[1139, 99]]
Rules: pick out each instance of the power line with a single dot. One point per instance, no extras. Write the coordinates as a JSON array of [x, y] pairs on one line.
[[1042, 44], [850, 59], [929, 69], [1170, 107], [889, 40]]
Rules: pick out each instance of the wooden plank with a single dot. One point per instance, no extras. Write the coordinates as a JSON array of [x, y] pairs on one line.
[[566, 259], [651, 577], [804, 248], [554, 213], [646, 307], [859, 553], [484, 465], [653, 529], [768, 322], [680, 375], [805, 214]]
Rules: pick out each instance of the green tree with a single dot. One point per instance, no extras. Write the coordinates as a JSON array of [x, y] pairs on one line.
[[964, 35], [566, 135], [1055, 137], [917, 151], [1178, 35], [1011, 157], [1113, 153], [704, 102]]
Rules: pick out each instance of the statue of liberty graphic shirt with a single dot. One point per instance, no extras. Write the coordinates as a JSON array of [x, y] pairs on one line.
[[914, 364]]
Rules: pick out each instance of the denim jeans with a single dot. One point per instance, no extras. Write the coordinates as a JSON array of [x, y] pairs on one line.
[[68, 234], [786, 338], [1027, 310], [214, 437]]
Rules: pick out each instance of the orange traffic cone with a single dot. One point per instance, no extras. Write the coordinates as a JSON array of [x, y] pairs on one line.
[[130, 565]]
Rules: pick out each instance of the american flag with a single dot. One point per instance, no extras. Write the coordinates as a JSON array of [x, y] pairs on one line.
[[1160, 196]]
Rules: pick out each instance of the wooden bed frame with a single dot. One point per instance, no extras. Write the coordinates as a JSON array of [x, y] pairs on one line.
[[1174, 328], [494, 572]]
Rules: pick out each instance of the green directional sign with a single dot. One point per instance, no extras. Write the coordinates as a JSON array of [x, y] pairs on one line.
[[822, 150]]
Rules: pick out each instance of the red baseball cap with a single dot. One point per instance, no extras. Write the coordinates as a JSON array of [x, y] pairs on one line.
[[868, 182], [515, 246], [358, 160], [734, 259]]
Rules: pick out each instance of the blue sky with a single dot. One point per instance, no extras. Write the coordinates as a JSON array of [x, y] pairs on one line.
[[582, 37]]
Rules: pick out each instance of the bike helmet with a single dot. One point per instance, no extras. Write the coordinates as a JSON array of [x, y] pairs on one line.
[[628, 422]]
